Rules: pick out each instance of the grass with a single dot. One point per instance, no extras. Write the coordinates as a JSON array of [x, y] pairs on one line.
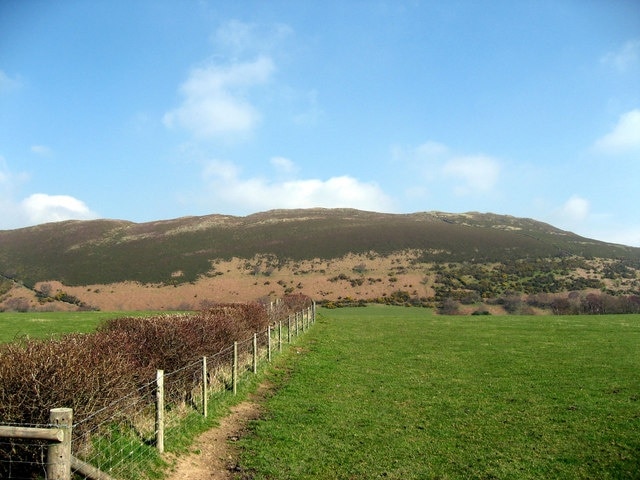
[[141, 458], [14, 325], [392, 392]]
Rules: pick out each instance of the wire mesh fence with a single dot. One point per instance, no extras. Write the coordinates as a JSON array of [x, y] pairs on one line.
[[22, 455], [127, 441]]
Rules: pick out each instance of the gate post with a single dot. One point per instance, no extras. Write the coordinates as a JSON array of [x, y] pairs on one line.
[[59, 454]]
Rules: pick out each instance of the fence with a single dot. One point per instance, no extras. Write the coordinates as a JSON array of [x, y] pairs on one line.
[[127, 444]]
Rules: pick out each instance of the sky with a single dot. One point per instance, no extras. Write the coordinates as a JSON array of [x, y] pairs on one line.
[[147, 110]]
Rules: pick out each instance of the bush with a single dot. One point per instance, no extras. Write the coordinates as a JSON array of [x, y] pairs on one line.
[[17, 304], [449, 306]]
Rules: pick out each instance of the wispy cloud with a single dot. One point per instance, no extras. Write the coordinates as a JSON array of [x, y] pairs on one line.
[[215, 99], [238, 38], [575, 209], [625, 57], [36, 208], [473, 174], [42, 150], [228, 191], [284, 165], [624, 137], [8, 83], [463, 174], [577, 214], [311, 109]]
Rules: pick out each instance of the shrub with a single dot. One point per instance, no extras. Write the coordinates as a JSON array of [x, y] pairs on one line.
[[449, 306], [17, 304]]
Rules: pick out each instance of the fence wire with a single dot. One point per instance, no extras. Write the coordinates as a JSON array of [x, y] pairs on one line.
[[123, 444]]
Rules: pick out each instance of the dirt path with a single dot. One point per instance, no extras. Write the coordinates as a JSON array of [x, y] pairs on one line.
[[218, 456]]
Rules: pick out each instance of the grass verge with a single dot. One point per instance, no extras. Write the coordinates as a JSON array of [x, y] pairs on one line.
[[388, 392], [14, 325]]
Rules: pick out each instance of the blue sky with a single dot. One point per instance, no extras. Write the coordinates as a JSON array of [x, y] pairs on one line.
[[149, 110]]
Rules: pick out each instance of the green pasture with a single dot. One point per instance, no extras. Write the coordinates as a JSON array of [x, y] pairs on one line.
[[16, 325], [393, 392]]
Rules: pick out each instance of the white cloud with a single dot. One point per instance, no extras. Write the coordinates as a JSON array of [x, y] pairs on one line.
[[624, 58], [230, 192], [214, 99], [37, 208], [575, 209], [42, 208], [476, 173], [624, 137]]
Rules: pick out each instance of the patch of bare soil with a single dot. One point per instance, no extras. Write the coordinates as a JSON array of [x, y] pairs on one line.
[[215, 454]]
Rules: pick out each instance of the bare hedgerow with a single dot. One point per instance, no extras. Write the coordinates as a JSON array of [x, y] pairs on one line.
[[87, 373], [93, 373], [171, 342], [296, 302]]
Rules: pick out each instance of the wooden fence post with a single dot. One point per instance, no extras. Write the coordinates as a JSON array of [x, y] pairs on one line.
[[234, 371], [269, 343], [160, 411], [205, 389], [280, 336], [255, 353], [289, 329], [59, 454]]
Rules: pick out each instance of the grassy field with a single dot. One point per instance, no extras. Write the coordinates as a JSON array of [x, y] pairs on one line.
[[392, 392], [15, 325]]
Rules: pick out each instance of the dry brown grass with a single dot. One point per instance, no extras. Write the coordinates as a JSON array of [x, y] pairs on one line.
[[236, 281]]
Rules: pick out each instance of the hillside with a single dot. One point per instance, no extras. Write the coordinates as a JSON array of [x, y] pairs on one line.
[[320, 249]]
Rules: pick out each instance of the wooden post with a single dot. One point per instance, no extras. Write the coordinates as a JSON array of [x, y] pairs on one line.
[[59, 454], [160, 411], [88, 471], [297, 325], [234, 371], [280, 336], [255, 353], [289, 329], [269, 343], [205, 389]]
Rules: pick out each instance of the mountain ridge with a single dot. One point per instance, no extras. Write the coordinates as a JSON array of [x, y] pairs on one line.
[[87, 251], [325, 253]]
